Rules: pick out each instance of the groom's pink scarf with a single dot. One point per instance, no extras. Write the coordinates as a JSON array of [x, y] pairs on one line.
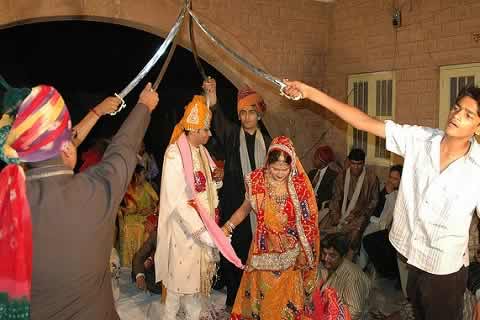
[[221, 241]]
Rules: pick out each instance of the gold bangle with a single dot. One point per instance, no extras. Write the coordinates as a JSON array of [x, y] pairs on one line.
[[227, 228]]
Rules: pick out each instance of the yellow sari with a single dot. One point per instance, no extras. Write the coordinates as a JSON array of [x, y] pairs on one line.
[[140, 201]]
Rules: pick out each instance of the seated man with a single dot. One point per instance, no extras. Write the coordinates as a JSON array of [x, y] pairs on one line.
[[375, 237], [355, 198], [351, 284], [143, 268], [323, 178]]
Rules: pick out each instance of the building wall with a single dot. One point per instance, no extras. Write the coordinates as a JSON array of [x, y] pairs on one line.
[[433, 33], [286, 38], [319, 43]]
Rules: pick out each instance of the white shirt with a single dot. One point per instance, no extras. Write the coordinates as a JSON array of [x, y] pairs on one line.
[[383, 222], [433, 211], [320, 178]]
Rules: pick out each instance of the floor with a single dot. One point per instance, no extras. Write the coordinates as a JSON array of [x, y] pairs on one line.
[[134, 304], [385, 298]]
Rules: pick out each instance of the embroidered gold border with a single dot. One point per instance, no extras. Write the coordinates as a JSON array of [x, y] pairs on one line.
[[274, 261], [298, 223]]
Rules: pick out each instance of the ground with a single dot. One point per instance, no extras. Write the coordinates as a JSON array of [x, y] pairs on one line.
[[138, 305]]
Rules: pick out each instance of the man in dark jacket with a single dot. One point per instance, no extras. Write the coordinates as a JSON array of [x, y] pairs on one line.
[[322, 176], [245, 148]]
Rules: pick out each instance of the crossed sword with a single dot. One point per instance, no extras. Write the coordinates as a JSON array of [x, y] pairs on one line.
[[172, 38]]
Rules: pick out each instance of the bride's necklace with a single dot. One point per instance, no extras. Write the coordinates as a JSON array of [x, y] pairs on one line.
[[278, 196]]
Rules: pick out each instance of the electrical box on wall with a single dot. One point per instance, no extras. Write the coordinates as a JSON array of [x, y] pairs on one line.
[[397, 18]]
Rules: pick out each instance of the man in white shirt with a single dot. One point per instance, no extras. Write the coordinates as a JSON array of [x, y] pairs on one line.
[[437, 197]]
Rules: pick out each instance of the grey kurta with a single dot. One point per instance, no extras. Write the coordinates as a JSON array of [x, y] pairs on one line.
[[73, 220]]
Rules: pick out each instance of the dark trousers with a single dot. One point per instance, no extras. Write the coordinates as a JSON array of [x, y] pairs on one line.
[[241, 241], [436, 297], [233, 277], [382, 254]]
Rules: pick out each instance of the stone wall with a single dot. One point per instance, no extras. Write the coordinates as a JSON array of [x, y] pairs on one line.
[[286, 38], [304, 39]]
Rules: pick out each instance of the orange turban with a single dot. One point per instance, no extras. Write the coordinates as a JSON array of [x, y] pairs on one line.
[[248, 97], [197, 116]]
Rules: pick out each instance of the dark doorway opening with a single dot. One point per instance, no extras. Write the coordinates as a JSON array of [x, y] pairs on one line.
[[88, 61]]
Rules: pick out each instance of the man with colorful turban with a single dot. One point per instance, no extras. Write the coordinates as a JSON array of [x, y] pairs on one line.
[[322, 176], [188, 238], [68, 219], [245, 148]]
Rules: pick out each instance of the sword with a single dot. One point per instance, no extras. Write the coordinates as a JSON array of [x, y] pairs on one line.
[[162, 72], [171, 35], [259, 72], [194, 46]]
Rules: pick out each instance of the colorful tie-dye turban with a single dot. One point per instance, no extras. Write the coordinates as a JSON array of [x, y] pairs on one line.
[[36, 128]]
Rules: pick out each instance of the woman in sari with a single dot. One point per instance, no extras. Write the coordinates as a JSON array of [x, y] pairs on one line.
[[140, 201], [281, 268]]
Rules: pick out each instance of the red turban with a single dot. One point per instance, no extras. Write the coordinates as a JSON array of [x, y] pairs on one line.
[[325, 154]]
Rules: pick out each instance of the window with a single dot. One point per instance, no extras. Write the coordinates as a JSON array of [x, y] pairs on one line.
[[452, 80], [373, 93]]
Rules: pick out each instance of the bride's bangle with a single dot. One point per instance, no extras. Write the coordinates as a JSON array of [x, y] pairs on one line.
[[230, 226]]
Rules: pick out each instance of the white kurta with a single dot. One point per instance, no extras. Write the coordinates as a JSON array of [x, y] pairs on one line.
[[385, 220], [178, 253]]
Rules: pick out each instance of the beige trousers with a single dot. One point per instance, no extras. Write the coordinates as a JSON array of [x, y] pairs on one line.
[[191, 303]]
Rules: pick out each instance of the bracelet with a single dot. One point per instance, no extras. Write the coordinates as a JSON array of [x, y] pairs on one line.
[[95, 112], [230, 226], [227, 229]]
